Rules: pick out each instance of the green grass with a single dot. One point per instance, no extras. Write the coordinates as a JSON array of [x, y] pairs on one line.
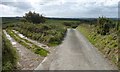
[[107, 44], [9, 55], [50, 33], [44, 33], [41, 52], [27, 44], [52, 21]]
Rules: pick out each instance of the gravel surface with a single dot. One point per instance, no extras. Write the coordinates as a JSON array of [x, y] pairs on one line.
[[76, 53]]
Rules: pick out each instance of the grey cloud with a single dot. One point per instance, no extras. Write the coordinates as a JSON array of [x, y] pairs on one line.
[[20, 5], [90, 10], [66, 9], [60, 7], [110, 11]]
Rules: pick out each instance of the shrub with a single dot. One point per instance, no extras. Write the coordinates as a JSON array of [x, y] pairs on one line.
[[34, 17], [104, 25]]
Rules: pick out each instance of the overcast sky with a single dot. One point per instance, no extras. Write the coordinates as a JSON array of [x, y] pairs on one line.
[[61, 8]]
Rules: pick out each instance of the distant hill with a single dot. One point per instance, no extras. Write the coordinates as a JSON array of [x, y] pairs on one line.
[[6, 20]]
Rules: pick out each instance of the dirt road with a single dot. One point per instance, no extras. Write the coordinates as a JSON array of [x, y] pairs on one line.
[[76, 53], [27, 59]]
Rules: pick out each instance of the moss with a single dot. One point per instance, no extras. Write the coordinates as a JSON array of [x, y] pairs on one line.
[[41, 52]]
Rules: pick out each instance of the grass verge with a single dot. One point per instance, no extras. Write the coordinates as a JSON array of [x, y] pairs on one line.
[[107, 44]]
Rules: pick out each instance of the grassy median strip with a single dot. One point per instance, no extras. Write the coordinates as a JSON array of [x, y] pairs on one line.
[[36, 49]]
